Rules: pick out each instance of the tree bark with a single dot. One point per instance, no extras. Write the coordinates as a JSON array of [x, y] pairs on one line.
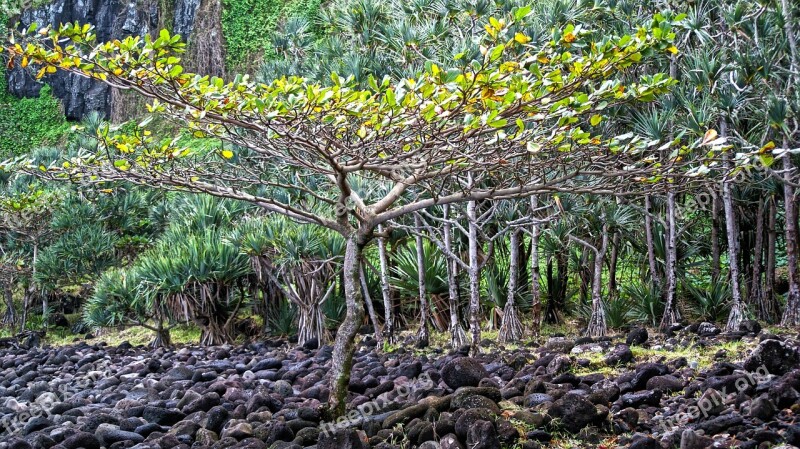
[[597, 322], [344, 345], [373, 317], [162, 338], [388, 318], [10, 317], [511, 328], [474, 279], [756, 293], [612, 266], [768, 308], [423, 333], [651, 251], [737, 313], [671, 313], [791, 315], [715, 226], [458, 337], [536, 302]]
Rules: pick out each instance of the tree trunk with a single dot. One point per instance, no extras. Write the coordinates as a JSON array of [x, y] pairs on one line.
[[737, 314], [388, 318], [27, 297], [715, 226], [671, 313], [344, 345], [373, 317], [585, 273], [511, 328], [612, 266], [162, 338], [536, 302], [651, 251], [791, 315], [474, 280], [458, 337], [422, 334], [756, 294], [768, 309], [597, 322], [10, 317], [310, 323]]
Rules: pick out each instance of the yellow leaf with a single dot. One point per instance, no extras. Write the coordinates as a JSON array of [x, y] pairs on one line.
[[521, 38], [51, 69], [227, 154], [41, 73], [769, 146], [595, 120], [24, 62], [672, 49], [709, 136]]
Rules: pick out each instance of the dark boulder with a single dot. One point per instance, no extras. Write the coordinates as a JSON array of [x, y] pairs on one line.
[[574, 413], [773, 356], [463, 372], [638, 336]]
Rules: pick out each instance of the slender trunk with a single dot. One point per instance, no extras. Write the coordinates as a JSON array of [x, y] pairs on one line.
[[597, 322], [511, 328], [671, 313], [458, 337], [311, 322], [556, 303], [474, 279], [26, 304], [612, 266], [585, 274], [344, 345], [388, 319], [715, 226], [373, 317], [737, 313], [768, 310], [651, 251], [422, 334], [10, 317], [536, 300], [756, 294], [791, 315]]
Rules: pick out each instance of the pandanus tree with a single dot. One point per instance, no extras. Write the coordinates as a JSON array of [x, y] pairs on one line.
[[25, 216], [121, 299], [197, 276], [301, 260], [517, 117]]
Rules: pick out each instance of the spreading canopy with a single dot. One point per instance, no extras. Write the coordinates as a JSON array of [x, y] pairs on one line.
[[521, 120]]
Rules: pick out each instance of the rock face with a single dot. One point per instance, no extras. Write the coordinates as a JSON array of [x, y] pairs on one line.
[[112, 19]]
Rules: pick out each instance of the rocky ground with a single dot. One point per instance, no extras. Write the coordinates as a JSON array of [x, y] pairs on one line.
[[694, 388]]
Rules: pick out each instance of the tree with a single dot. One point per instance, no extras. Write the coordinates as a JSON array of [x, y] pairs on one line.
[[514, 117]]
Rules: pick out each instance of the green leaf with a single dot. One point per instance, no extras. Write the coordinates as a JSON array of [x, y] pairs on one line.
[[522, 12], [596, 119]]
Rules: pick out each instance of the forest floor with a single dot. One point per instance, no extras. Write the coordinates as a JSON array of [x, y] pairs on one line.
[[694, 388]]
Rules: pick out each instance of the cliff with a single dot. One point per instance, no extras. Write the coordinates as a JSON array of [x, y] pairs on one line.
[[116, 19]]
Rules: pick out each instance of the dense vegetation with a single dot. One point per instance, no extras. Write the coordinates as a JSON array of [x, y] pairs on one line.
[[447, 164]]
